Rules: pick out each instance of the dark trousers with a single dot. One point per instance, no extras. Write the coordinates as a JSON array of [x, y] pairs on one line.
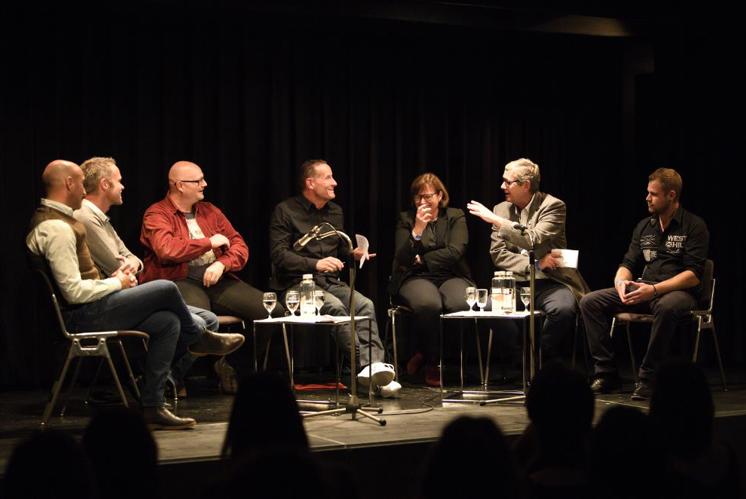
[[428, 300], [599, 307], [230, 296], [560, 308]]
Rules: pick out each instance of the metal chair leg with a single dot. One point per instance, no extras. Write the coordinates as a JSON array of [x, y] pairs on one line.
[[129, 369], [720, 358], [632, 355], [394, 345], [56, 386]]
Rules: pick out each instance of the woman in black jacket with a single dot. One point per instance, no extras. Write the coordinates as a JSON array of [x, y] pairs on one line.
[[430, 273]]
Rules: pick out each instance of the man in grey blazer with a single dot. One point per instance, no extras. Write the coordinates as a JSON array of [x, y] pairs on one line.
[[542, 217]]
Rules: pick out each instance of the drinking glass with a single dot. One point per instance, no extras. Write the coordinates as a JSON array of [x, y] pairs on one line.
[[269, 300], [471, 297], [525, 296], [318, 300], [481, 299], [292, 299]]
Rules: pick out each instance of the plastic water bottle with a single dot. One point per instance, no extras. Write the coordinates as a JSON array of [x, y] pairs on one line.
[[307, 287]]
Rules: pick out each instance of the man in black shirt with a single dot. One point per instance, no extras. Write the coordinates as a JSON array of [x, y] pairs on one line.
[[291, 220], [668, 252]]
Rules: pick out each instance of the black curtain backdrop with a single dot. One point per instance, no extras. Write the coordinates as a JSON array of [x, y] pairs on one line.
[[250, 95]]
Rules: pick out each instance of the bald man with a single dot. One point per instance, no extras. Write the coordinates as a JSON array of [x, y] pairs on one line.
[[93, 303], [191, 242]]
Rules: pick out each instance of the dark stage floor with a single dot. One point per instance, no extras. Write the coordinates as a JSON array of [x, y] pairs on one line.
[[413, 421]]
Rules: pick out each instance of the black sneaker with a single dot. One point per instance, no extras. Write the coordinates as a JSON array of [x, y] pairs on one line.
[[642, 391], [606, 384]]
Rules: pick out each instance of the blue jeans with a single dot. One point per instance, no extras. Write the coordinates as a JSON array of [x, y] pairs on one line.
[[207, 320], [155, 308]]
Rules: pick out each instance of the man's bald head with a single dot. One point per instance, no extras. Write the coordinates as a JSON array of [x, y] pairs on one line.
[[186, 184], [63, 182], [182, 170], [55, 174]]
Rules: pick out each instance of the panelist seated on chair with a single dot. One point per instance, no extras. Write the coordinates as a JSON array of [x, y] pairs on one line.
[[93, 303], [291, 220], [430, 274], [103, 186], [667, 255], [529, 217], [191, 242]]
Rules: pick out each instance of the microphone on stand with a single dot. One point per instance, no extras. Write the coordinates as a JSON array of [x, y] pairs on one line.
[[307, 238]]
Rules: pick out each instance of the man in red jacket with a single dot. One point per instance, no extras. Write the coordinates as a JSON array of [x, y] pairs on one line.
[[191, 242]]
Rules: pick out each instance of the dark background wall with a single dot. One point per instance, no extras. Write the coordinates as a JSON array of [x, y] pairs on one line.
[[383, 91]]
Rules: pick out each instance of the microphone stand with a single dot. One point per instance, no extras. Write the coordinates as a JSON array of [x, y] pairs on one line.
[[353, 407]]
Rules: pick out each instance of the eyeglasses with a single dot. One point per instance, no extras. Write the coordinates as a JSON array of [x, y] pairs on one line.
[[509, 182], [426, 197], [198, 181]]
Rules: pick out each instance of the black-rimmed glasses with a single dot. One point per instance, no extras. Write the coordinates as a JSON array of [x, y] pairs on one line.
[[426, 197]]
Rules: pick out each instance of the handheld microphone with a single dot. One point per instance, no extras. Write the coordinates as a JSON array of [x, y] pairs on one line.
[[306, 238], [519, 227]]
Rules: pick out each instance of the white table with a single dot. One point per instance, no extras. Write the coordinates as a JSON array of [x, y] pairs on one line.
[[485, 395], [316, 320]]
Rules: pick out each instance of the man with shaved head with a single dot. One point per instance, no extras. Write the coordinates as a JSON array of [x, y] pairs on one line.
[[93, 303], [191, 242]]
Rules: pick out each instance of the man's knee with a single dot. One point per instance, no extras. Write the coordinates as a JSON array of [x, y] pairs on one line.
[[365, 305], [673, 306], [334, 306]]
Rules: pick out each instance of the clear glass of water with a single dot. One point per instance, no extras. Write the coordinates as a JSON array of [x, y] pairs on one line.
[[318, 300], [471, 297], [292, 300], [525, 296], [269, 300], [482, 299]]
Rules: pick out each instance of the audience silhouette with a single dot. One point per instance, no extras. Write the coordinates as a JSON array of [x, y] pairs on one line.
[[50, 464], [123, 454], [471, 459]]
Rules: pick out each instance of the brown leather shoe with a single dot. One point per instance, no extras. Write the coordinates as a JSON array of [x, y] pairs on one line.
[[211, 343], [227, 376], [160, 418]]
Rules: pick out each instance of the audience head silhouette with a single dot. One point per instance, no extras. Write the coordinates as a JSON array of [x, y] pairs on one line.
[[560, 405], [469, 451], [49, 464], [264, 416], [123, 454]]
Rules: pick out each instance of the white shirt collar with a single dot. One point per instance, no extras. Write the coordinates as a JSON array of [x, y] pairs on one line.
[[96, 210], [56, 205]]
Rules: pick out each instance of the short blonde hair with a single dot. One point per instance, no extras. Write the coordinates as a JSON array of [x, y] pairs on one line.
[[525, 170], [94, 170], [432, 180], [669, 179]]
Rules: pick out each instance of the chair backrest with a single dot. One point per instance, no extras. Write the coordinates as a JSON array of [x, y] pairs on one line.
[[708, 286], [40, 266]]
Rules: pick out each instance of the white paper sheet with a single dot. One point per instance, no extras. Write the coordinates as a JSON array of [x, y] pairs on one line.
[[569, 258], [362, 243]]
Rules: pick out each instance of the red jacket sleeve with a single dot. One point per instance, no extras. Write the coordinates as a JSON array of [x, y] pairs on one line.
[[237, 255]]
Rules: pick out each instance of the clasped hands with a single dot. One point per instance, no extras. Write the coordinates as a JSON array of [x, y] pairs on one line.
[[634, 292]]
